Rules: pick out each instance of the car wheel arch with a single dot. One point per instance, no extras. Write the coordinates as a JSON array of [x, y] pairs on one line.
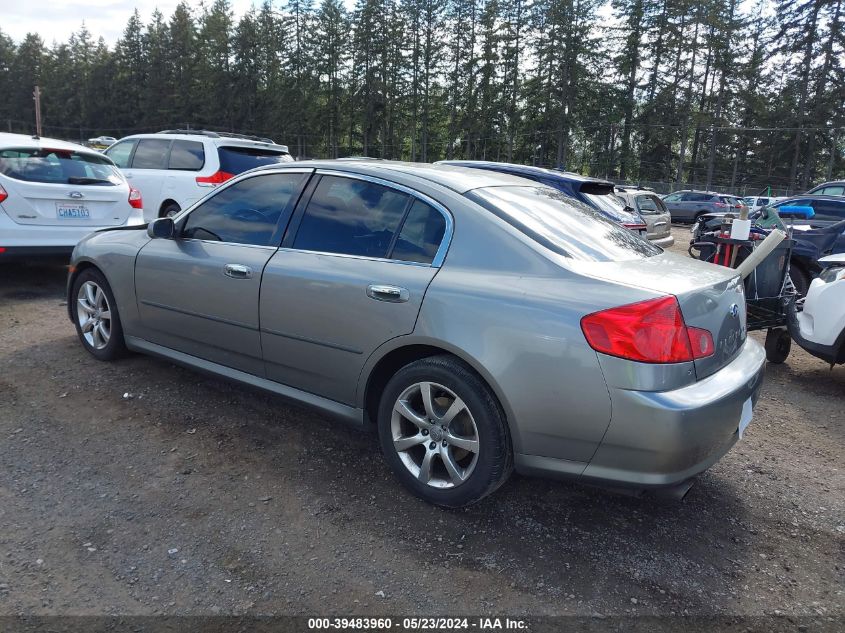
[[397, 353], [166, 203]]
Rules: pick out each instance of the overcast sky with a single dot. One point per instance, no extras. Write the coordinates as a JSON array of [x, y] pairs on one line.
[[57, 19]]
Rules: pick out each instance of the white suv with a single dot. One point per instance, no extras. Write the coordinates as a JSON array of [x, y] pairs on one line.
[[175, 168], [54, 193]]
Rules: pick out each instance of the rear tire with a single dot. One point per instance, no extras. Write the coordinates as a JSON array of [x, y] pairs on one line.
[[800, 280], [778, 344], [443, 433], [169, 210], [96, 317]]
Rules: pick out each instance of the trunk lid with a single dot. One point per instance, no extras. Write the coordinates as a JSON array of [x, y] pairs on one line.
[[711, 297]]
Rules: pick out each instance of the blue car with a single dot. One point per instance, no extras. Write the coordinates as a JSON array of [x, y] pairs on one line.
[[595, 193]]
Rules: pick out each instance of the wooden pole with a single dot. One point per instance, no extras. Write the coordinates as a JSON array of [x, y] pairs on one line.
[[36, 95]]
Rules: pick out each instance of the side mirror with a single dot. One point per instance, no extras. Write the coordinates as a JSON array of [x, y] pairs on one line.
[[161, 228]]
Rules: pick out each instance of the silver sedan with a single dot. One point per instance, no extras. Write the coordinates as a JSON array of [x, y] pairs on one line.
[[478, 322]]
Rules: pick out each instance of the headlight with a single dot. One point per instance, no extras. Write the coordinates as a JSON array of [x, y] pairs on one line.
[[834, 273]]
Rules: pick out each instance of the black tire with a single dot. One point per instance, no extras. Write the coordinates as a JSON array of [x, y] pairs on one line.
[[778, 344], [115, 346], [800, 279], [169, 210], [494, 459]]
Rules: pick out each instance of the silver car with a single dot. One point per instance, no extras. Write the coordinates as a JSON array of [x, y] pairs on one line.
[[653, 211], [479, 322]]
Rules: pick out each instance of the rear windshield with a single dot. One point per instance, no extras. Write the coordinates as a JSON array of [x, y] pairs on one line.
[[58, 166], [611, 204], [563, 225], [235, 160]]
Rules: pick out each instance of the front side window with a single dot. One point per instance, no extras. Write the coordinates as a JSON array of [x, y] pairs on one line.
[[58, 166], [561, 224], [246, 212], [186, 156], [833, 190], [351, 217], [151, 154], [121, 152]]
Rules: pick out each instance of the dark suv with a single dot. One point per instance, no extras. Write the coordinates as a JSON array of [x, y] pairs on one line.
[[595, 193], [686, 206]]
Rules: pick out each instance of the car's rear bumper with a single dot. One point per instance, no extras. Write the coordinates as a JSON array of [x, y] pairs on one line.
[[659, 439], [32, 240], [663, 242]]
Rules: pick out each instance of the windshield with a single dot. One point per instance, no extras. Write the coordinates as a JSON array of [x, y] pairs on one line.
[[236, 160], [563, 225], [58, 166]]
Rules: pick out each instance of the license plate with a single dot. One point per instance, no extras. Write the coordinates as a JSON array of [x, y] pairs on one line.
[[66, 211], [745, 418]]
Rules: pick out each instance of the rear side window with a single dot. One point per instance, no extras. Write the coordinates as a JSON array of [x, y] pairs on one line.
[[58, 166], [674, 197], [121, 152], [646, 203], [151, 153], [236, 160], [351, 217], [186, 156], [421, 234], [563, 225], [247, 212]]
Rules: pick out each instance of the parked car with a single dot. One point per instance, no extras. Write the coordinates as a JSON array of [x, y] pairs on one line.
[[54, 193], [478, 321], [686, 206], [820, 326], [654, 213], [595, 193], [102, 141], [754, 203], [175, 168], [833, 188]]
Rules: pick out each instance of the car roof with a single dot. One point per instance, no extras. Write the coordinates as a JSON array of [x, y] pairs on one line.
[[830, 183], [458, 179], [814, 196], [231, 141], [528, 171], [35, 142]]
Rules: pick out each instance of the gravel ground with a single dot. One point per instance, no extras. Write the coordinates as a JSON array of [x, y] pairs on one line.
[[142, 488]]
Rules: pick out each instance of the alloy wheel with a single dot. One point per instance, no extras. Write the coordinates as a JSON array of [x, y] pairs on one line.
[[435, 435], [93, 314]]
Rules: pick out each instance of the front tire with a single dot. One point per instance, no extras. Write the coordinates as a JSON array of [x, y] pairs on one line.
[[96, 319], [443, 433]]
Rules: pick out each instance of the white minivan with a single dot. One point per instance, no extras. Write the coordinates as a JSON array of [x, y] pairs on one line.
[[54, 193], [175, 168]]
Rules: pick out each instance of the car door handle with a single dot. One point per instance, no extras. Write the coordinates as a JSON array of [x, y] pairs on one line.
[[238, 271], [392, 294]]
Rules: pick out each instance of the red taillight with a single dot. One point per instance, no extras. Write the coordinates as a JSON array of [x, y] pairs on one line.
[[721, 205], [135, 200], [217, 178], [3, 194], [635, 227], [650, 331]]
